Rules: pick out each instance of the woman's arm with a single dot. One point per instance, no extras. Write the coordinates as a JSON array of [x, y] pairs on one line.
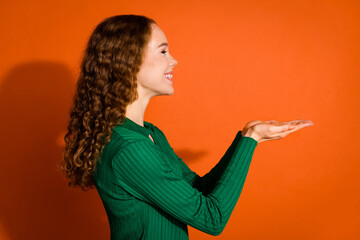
[[206, 183], [144, 173]]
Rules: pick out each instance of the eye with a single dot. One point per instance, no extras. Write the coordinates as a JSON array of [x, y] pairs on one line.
[[164, 51]]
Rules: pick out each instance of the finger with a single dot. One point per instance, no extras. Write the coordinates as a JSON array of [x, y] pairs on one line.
[[281, 128], [295, 128], [293, 122], [300, 121], [289, 128], [292, 126], [302, 124]]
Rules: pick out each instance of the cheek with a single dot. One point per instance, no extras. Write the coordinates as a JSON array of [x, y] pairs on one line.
[[154, 67], [160, 62]]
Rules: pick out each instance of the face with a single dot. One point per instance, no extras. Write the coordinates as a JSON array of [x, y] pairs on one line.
[[154, 77]]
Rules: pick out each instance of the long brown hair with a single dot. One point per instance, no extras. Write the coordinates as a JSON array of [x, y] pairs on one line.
[[106, 85]]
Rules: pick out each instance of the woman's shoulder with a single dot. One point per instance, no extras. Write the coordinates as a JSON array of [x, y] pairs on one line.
[[120, 138]]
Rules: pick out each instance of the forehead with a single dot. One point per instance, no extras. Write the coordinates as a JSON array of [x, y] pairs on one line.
[[157, 37]]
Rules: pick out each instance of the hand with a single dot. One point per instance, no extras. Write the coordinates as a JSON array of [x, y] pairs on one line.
[[270, 130]]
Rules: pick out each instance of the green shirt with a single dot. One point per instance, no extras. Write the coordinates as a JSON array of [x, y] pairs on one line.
[[149, 193]]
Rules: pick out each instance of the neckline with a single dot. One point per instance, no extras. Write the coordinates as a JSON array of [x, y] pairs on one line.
[[144, 130]]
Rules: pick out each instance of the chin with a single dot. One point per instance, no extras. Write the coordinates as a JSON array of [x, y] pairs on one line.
[[172, 92], [168, 91], [165, 93]]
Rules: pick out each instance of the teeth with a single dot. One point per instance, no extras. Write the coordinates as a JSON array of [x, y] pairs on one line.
[[169, 76]]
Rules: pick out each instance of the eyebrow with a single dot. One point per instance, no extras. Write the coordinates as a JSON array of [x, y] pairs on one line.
[[163, 44]]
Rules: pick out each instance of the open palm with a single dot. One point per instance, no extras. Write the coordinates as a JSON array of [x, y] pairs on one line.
[[270, 130]]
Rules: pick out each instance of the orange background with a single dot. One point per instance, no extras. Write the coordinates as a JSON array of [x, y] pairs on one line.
[[238, 61]]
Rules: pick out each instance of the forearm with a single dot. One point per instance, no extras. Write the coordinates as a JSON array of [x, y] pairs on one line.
[[206, 183]]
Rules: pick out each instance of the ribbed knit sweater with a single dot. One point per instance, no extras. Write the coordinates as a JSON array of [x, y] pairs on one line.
[[149, 193]]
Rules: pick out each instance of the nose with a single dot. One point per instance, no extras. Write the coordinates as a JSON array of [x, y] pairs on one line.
[[173, 61]]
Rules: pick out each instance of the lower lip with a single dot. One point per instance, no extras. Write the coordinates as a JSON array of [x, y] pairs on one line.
[[168, 79]]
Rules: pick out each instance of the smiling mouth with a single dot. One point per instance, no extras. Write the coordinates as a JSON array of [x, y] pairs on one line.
[[168, 76]]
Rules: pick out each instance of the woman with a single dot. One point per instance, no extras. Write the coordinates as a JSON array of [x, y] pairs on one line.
[[147, 190]]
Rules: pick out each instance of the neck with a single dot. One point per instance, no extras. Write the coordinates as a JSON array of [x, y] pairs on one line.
[[136, 110]]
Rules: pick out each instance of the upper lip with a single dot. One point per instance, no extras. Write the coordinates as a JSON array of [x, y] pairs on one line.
[[169, 72]]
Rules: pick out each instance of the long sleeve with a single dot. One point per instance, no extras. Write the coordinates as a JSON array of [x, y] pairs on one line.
[[146, 174], [206, 183]]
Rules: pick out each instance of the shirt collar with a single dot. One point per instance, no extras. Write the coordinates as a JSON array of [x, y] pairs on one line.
[[129, 124]]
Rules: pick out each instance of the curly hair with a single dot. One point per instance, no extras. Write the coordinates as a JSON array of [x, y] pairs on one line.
[[106, 85]]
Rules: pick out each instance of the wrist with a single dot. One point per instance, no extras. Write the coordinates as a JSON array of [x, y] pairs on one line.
[[251, 134]]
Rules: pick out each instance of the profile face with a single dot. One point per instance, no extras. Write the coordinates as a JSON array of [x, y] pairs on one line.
[[154, 77]]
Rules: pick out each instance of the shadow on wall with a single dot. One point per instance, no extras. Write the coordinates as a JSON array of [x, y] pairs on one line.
[[190, 156], [36, 202]]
